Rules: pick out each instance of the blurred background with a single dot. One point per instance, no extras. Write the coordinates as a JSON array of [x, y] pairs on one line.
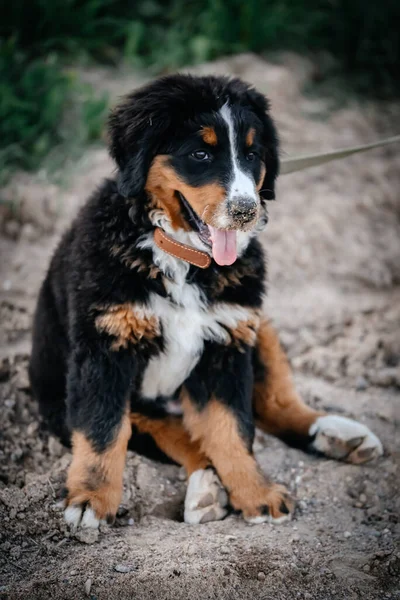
[[45, 44], [331, 70]]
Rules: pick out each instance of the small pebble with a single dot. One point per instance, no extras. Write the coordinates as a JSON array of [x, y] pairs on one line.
[[227, 571], [29, 232], [182, 474], [122, 511], [12, 229], [87, 535], [55, 447], [366, 568], [261, 576], [363, 498], [124, 568], [32, 428], [361, 384], [347, 534], [131, 521], [224, 550], [88, 586]]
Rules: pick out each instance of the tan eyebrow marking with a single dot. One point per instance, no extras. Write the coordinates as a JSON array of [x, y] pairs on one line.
[[209, 135], [250, 136]]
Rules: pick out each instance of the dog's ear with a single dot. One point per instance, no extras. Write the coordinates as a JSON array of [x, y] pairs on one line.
[[136, 128], [260, 106]]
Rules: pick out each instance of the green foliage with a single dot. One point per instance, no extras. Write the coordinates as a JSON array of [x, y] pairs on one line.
[[362, 36], [37, 100], [32, 100], [38, 95]]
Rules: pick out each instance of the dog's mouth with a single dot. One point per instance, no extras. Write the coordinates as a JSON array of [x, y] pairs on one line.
[[221, 241]]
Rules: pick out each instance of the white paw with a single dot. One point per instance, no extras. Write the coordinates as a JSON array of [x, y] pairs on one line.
[[342, 438], [206, 499], [80, 516]]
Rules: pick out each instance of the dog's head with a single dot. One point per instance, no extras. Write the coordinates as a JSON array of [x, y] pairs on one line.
[[202, 149]]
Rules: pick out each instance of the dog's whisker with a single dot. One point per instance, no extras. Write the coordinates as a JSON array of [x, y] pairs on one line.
[[203, 214]]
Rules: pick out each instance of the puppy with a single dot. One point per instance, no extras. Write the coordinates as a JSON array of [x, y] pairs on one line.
[[149, 328]]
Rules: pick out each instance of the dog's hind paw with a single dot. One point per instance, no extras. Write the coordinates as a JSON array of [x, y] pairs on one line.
[[206, 499], [345, 439]]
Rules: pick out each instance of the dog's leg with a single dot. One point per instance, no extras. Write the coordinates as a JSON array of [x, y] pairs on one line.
[[217, 409], [173, 439], [279, 409], [47, 365], [206, 499], [98, 389]]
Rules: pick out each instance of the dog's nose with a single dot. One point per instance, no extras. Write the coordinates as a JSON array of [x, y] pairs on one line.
[[242, 209]]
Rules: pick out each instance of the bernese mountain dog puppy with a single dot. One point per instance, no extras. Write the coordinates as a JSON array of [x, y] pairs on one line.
[[149, 329]]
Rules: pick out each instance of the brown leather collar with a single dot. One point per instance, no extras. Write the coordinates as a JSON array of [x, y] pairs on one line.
[[190, 255]]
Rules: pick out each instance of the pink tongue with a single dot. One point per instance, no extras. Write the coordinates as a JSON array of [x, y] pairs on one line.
[[223, 246]]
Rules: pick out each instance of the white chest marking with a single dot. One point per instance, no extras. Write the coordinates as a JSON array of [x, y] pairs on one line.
[[186, 323]]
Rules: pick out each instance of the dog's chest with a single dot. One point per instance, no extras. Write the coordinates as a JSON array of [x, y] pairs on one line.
[[186, 323]]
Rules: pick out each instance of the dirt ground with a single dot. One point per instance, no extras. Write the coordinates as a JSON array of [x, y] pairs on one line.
[[334, 260]]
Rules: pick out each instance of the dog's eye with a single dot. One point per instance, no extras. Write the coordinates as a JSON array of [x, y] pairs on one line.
[[201, 155], [250, 156]]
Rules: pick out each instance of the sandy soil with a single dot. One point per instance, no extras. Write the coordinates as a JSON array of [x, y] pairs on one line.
[[334, 261]]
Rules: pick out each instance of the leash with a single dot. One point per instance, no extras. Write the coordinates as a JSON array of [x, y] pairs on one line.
[[299, 163]]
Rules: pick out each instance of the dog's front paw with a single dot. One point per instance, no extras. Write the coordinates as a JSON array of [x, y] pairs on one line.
[[206, 499], [82, 515], [88, 508], [92, 496], [345, 439], [272, 503]]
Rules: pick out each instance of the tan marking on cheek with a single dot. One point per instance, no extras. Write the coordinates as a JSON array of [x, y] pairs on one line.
[[126, 326], [209, 136], [250, 137], [262, 175], [96, 477], [159, 186], [163, 181], [206, 200]]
